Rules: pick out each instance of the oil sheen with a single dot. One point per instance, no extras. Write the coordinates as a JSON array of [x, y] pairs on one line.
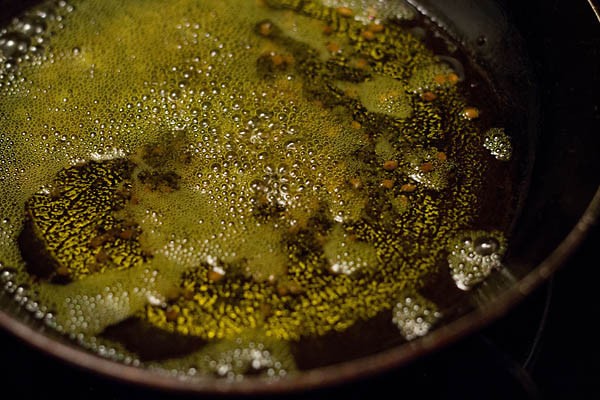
[[241, 174]]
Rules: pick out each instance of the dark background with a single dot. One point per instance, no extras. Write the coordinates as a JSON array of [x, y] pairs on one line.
[[546, 347]]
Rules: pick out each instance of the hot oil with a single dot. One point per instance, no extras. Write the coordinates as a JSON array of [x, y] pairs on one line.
[[252, 179]]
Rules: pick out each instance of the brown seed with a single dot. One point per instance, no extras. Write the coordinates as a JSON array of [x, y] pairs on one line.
[[387, 183], [215, 276], [362, 63], [294, 288], [102, 256], [333, 47], [277, 60], [390, 165], [429, 96], [426, 167], [282, 290], [440, 79], [376, 28], [344, 11], [62, 271], [288, 58], [441, 156], [368, 35], [453, 78], [470, 113], [356, 183], [98, 241], [355, 124], [408, 187], [127, 234], [265, 28], [327, 30], [171, 314], [403, 200]]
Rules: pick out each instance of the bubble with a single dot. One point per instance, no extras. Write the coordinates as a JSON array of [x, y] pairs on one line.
[[31, 25], [498, 143], [474, 256], [414, 316], [383, 95], [234, 360], [486, 246], [14, 44], [430, 168], [347, 255], [261, 163]]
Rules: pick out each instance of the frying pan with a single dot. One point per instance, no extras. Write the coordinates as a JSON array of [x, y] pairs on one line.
[[529, 55]]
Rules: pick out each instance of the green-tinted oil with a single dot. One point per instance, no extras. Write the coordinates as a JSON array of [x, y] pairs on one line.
[[232, 170]]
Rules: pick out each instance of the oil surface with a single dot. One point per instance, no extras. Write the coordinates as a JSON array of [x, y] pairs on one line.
[[243, 175]]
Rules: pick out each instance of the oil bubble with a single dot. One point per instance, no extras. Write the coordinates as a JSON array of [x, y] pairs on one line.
[[234, 360], [486, 246], [498, 143], [414, 315], [31, 25], [474, 256], [14, 44]]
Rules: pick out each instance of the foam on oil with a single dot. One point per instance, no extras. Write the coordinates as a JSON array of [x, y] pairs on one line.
[[262, 164]]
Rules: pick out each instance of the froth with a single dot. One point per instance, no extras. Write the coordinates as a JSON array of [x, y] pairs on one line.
[[257, 203]]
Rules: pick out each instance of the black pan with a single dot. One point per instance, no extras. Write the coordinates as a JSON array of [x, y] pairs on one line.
[[533, 56]]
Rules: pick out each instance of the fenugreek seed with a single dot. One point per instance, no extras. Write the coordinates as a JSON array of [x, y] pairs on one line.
[[127, 234], [387, 183], [171, 315], [294, 288], [333, 47], [470, 113], [440, 79], [62, 270], [356, 183], [390, 165], [265, 28], [214, 276], [376, 28], [408, 187], [426, 167], [441, 156], [428, 96], [282, 290], [453, 78], [361, 63], [344, 11], [368, 35], [277, 59]]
